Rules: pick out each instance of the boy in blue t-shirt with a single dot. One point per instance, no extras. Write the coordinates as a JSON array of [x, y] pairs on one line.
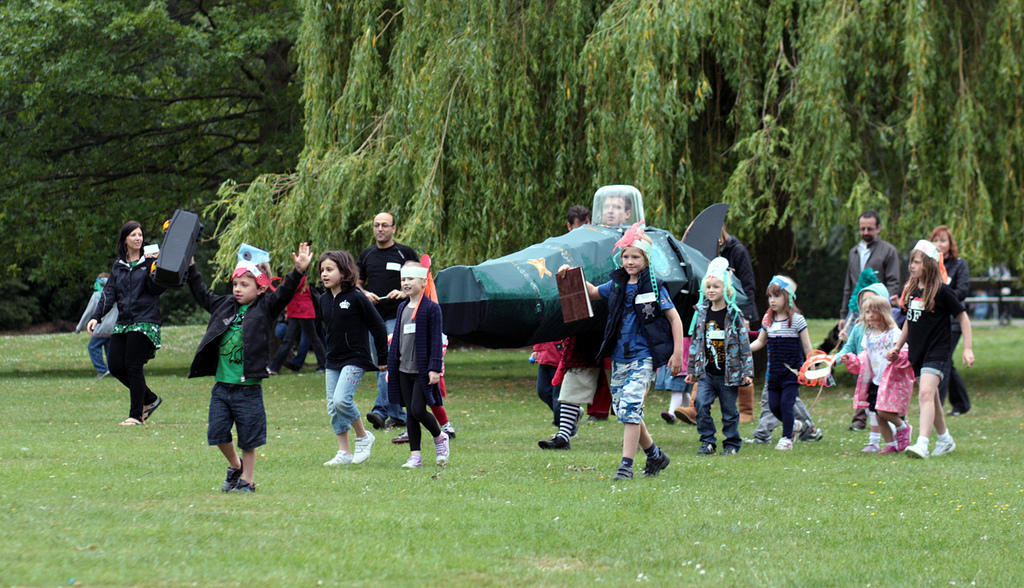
[[236, 350], [643, 333]]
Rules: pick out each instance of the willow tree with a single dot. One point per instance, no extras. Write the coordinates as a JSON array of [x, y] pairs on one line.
[[479, 123]]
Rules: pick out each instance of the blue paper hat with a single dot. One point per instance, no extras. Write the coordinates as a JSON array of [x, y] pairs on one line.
[[252, 254]]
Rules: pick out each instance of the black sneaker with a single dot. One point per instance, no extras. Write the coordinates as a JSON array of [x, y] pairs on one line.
[[730, 451], [656, 464], [232, 480], [375, 419], [555, 442], [706, 449], [625, 473], [243, 487]]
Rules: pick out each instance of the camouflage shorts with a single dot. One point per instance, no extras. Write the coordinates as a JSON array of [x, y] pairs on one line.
[[629, 389]]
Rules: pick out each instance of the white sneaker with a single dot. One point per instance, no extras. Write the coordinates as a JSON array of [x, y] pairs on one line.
[[363, 447], [449, 430], [341, 458], [785, 444], [943, 447], [917, 451]]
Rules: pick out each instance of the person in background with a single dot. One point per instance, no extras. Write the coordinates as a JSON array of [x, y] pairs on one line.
[[960, 281], [380, 265], [880, 256], [99, 343]]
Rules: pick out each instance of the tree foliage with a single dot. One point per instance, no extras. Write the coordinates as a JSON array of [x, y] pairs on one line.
[[127, 109], [479, 123]]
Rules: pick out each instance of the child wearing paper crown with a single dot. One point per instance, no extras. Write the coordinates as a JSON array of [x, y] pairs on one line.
[[720, 358], [643, 333], [784, 331], [929, 302], [415, 362], [236, 350]]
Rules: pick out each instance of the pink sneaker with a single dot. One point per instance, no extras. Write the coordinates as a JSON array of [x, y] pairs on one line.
[[888, 449], [441, 449], [903, 437], [414, 461], [870, 448]]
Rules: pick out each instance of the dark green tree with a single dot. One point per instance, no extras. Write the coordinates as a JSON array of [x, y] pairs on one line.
[[127, 109]]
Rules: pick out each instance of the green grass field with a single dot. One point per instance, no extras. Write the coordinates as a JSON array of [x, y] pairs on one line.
[[86, 502]]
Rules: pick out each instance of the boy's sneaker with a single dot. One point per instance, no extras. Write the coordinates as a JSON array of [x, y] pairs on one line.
[[731, 451], [903, 437], [243, 486], [943, 447], [798, 425], [669, 417], [758, 440], [888, 449], [375, 419], [414, 461], [556, 442], [448, 430], [870, 448], [403, 438], [441, 449], [917, 451], [341, 458], [655, 464], [232, 480], [785, 444], [812, 434], [363, 447], [706, 449], [625, 472]]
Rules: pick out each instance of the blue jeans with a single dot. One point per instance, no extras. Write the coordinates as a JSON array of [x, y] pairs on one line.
[[709, 388], [97, 347], [281, 329], [381, 406], [341, 389]]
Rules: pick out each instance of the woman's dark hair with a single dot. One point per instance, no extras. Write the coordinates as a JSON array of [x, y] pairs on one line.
[[346, 267], [127, 229]]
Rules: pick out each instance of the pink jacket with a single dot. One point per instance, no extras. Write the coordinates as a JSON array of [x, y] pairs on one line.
[[548, 353], [897, 383]]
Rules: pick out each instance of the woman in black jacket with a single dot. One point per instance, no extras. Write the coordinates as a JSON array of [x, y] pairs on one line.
[[136, 335], [960, 282]]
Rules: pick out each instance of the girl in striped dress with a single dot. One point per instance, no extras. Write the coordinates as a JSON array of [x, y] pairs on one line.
[[784, 331]]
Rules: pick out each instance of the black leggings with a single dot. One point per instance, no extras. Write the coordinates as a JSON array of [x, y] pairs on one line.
[[416, 410], [129, 352]]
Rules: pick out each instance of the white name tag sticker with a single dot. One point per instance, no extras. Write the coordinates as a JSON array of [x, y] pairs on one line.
[[393, 266], [917, 304], [409, 329], [716, 334], [646, 297]]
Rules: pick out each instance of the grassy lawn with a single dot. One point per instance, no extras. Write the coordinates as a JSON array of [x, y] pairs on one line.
[[87, 502]]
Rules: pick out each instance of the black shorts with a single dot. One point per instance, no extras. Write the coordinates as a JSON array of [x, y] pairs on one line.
[[242, 407]]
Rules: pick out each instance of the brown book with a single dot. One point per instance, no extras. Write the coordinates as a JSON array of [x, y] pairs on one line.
[[572, 292]]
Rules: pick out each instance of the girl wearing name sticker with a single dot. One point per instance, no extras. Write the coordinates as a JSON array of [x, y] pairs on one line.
[[784, 331], [415, 365], [929, 303]]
